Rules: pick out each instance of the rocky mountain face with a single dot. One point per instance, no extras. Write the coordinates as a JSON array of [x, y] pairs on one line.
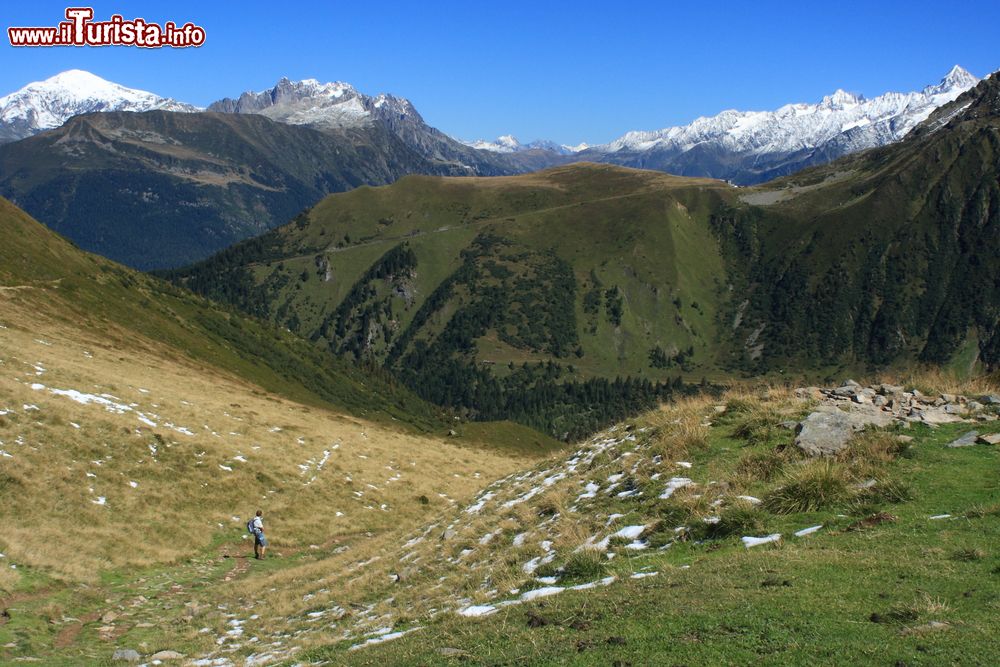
[[339, 105], [47, 104]]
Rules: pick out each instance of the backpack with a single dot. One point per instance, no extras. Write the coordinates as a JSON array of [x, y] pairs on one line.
[[250, 527]]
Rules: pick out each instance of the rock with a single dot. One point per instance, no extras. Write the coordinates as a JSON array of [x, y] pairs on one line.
[[991, 399], [905, 439], [851, 383], [880, 400], [109, 617], [790, 425], [953, 409], [166, 655], [847, 391], [889, 389], [974, 406], [450, 652], [967, 440], [938, 416], [449, 534], [814, 393], [126, 655], [989, 439], [827, 431], [950, 398], [452, 433]]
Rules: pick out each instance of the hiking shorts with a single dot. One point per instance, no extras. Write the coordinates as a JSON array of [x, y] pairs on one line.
[[259, 538]]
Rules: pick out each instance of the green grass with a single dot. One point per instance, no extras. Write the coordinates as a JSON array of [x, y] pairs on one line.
[[873, 596]]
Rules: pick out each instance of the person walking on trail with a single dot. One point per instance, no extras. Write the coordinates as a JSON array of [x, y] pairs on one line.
[[259, 541]]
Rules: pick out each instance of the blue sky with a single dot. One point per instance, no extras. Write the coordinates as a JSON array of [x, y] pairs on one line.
[[567, 71]]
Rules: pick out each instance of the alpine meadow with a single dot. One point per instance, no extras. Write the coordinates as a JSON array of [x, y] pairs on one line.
[[721, 393]]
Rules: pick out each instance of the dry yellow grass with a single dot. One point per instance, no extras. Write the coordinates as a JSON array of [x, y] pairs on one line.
[[220, 449]]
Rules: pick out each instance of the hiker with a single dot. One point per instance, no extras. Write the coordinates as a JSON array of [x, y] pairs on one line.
[[259, 541]]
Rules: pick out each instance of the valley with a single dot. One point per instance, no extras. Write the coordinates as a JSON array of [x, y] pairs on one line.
[[498, 403]]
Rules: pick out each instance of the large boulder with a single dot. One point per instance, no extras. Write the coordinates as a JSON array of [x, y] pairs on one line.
[[827, 430]]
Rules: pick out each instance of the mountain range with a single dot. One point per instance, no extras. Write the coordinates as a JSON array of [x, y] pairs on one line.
[[748, 147], [478, 292], [157, 183]]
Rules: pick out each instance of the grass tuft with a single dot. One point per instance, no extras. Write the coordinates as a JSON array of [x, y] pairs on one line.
[[812, 486]]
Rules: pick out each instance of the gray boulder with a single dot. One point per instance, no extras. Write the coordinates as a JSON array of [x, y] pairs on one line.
[[126, 655], [827, 431], [967, 440]]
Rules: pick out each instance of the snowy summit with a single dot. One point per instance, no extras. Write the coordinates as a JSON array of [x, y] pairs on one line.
[[43, 105]]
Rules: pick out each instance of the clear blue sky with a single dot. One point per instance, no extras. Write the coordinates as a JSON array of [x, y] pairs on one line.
[[567, 71]]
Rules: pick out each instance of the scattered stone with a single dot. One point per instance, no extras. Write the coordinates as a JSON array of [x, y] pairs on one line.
[[905, 439], [967, 440], [449, 652], [938, 416], [989, 439], [109, 617], [126, 655], [166, 655], [452, 433], [991, 399]]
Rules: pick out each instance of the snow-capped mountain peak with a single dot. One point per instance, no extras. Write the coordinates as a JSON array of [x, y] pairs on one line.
[[508, 143], [842, 122], [310, 102], [841, 99], [958, 78], [43, 105]]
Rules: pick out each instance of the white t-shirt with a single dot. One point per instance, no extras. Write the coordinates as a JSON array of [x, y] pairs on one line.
[[258, 523]]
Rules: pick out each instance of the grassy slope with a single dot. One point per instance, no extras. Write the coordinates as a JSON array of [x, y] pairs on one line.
[[74, 321], [643, 232], [805, 601]]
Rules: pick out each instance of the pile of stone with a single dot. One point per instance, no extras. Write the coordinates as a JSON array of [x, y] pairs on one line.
[[850, 408]]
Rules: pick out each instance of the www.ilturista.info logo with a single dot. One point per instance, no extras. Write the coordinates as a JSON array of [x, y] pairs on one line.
[[81, 30]]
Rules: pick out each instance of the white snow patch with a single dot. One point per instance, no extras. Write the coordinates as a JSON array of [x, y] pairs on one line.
[[674, 484], [749, 542]]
